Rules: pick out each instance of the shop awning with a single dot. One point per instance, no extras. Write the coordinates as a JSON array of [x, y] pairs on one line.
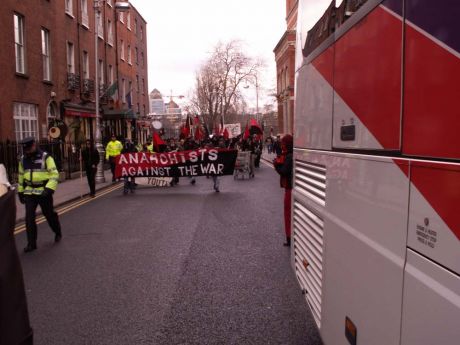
[[115, 114]]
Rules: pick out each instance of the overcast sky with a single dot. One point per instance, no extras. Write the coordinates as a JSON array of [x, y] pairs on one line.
[[182, 32]]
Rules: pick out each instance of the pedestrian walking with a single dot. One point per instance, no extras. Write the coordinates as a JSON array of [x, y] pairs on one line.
[[283, 165], [90, 157], [215, 178], [112, 150], [37, 180], [277, 146]]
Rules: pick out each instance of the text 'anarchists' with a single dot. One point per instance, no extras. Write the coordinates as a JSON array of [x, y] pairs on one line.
[[200, 162]]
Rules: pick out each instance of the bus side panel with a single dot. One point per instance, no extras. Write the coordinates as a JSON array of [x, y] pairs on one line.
[[367, 83], [432, 71], [314, 103], [365, 240], [431, 303], [434, 222]]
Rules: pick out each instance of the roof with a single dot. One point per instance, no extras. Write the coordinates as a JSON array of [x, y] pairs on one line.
[[172, 104], [155, 94]]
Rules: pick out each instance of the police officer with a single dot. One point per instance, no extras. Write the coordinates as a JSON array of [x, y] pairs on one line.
[[112, 150], [38, 179]]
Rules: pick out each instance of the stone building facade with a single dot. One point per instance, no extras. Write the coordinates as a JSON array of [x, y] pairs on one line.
[[285, 67]]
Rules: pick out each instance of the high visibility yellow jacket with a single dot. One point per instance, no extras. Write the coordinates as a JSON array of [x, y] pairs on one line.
[[36, 173], [150, 148], [113, 149]]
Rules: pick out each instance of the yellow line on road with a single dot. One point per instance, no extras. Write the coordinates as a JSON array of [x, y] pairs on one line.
[[267, 163], [74, 205]]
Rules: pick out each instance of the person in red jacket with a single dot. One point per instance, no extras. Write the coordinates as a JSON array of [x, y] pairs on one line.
[[284, 165]]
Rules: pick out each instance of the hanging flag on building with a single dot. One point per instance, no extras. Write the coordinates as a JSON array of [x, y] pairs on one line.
[[111, 90]]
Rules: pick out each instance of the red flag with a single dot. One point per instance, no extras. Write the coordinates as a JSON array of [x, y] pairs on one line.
[[196, 120], [254, 127], [157, 141], [199, 133], [184, 132], [246, 132], [226, 134]]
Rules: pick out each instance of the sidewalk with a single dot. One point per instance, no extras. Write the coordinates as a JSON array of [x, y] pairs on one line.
[[66, 191]]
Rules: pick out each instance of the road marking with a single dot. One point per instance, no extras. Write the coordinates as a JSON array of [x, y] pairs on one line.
[[267, 163], [70, 207]]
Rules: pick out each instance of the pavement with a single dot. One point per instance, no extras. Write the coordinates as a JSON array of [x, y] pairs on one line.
[[172, 265], [67, 191]]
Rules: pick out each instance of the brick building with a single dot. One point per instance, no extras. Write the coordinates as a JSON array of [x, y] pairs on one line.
[[48, 69], [285, 68]]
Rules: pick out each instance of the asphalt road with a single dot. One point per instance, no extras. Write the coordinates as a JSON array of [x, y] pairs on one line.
[[180, 265]]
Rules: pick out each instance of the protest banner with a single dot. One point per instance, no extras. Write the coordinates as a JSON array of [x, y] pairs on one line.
[[234, 129], [201, 162], [154, 181]]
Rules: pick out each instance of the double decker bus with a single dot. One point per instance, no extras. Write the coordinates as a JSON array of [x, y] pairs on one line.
[[376, 201]]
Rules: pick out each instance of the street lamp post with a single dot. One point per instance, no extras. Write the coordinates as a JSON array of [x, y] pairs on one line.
[[119, 6], [257, 96]]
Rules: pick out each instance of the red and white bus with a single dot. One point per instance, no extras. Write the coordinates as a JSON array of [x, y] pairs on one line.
[[376, 202]]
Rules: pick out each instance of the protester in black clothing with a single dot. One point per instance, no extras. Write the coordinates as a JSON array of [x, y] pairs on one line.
[[277, 146], [130, 182], [90, 157]]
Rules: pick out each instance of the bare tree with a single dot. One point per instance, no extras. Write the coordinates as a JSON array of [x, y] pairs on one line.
[[217, 91]]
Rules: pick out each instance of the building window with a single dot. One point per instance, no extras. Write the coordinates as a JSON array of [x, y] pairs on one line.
[[142, 32], [69, 7], [25, 120], [46, 55], [122, 52], [70, 58], [137, 84], [143, 106], [109, 32], [143, 86], [135, 26], [19, 43], [130, 98], [84, 13], [101, 72], [111, 74], [142, 59], [52, 112], [129, 54], [137, 55], [100, 26], [85, 66], [123, 91], [122, 17], [128, 20]]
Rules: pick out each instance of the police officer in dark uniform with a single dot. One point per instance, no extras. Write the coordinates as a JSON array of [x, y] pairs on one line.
[[37, 180]]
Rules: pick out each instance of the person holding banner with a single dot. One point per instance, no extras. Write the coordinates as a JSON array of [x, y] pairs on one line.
[[129, 182]]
